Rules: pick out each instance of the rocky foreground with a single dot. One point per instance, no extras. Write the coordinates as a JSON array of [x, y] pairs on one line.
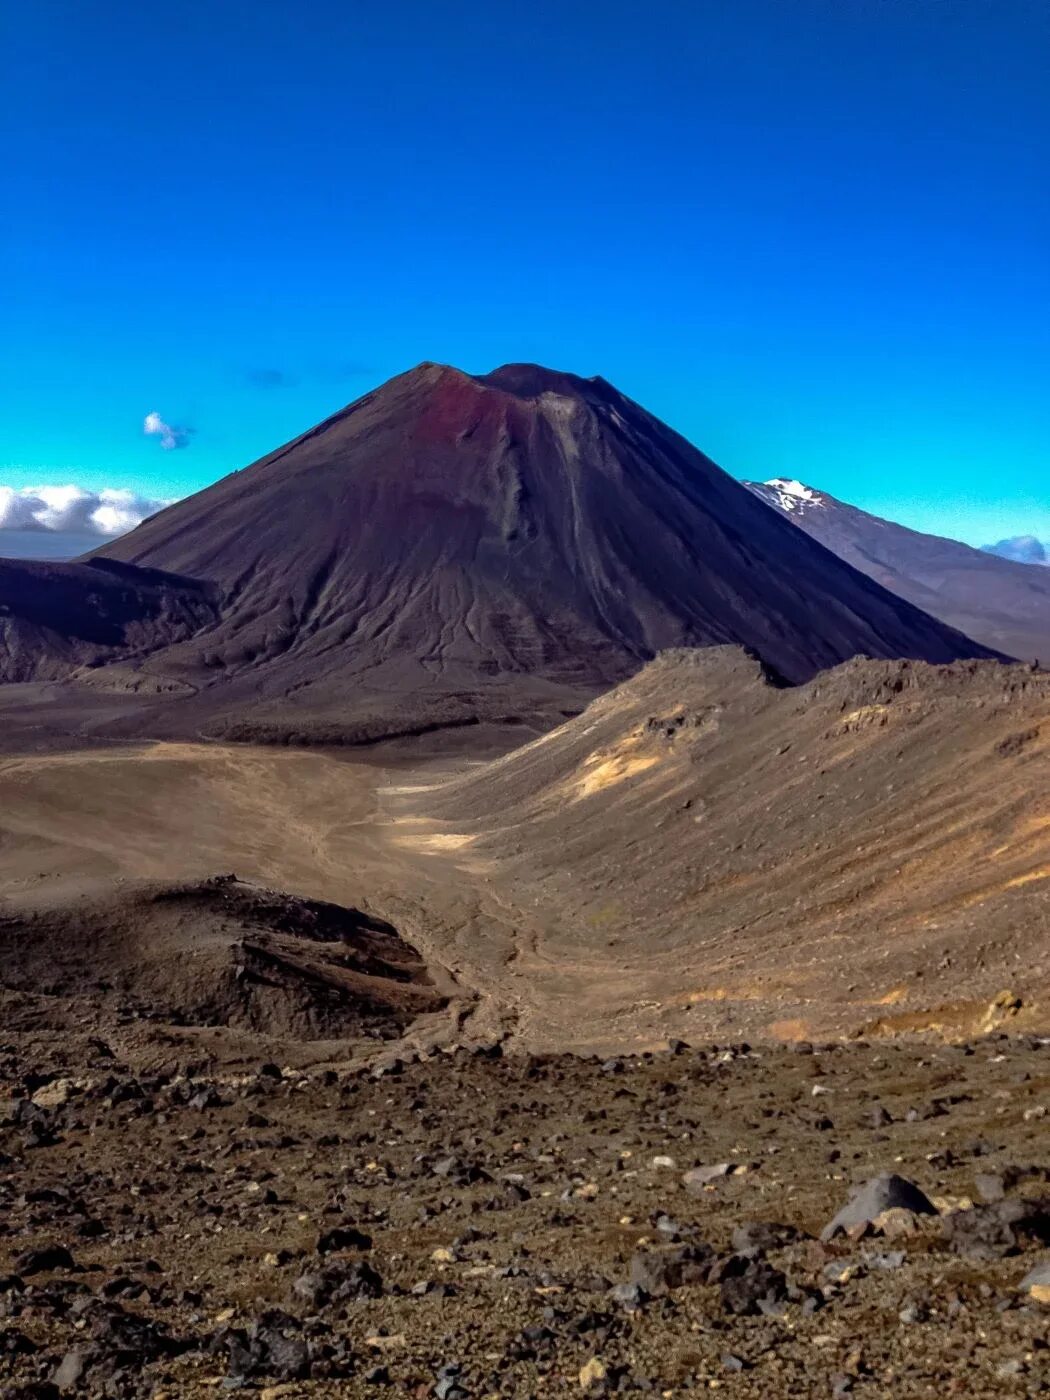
[[472, 1225]]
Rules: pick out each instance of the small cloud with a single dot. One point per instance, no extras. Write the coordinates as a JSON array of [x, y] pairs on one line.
[[270, 378], [172, 435], [106, 512]]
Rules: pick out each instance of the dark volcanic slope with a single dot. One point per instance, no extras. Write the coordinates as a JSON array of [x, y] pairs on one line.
[[215, 953], [1004, 604], [451, 544], [57, 617]]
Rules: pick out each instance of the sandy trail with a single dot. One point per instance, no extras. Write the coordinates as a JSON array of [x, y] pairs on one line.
[[180, 811]]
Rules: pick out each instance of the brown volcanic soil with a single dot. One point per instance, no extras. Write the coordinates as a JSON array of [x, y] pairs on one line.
[[1004, 604], [504, 546], [217, 952], [497, 1204], [701, 853], [868, 848]]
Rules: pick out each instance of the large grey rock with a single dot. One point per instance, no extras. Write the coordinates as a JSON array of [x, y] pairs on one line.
[[1039, 1277], [698, 1178], [999, 1230], [70, 1371], [660, 1270], [889, 1192]]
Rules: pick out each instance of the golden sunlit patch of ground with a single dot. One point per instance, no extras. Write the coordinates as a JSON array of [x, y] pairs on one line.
[[862, 718], [1027, 879], [608, 767], [767, 990], [892, 997], [417, 834], [792, 1029], [1023, 833], [959, 1020], [435, 840]]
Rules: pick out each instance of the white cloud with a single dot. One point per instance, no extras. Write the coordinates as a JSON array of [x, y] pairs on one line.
[[73, 508], [171, 434]]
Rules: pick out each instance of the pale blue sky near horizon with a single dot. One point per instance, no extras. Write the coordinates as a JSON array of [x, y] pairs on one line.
[[812, 237]]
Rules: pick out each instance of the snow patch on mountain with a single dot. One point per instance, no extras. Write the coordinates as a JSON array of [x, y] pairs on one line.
[[791, 495]]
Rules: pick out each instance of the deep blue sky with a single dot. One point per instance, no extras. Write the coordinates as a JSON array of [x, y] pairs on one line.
[[810, 234]]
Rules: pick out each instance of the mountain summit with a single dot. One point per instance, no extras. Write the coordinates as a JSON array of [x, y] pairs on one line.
[[453, 545], [1000, 602]]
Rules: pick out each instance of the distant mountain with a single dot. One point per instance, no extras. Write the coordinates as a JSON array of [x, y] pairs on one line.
[[1002, 603], [1022, 549]]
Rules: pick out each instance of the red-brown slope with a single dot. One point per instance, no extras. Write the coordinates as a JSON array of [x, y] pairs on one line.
[[450, 545]]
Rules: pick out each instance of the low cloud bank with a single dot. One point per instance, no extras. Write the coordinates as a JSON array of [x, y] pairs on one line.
[[73, 508]]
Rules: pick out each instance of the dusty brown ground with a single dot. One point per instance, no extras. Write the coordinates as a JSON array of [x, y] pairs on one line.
[[700, 856], [502, 1200], [216, 952], [702, 849]]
